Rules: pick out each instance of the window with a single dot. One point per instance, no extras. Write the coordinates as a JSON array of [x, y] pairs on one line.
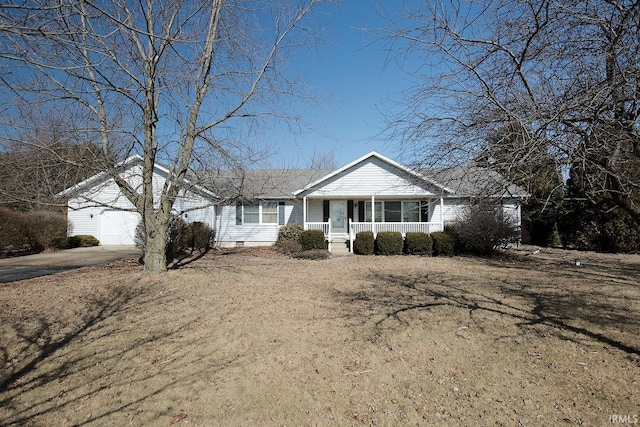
[[264, 213], [367, 211], [251, 214], [394, 211], [410, 211], [270, 213]]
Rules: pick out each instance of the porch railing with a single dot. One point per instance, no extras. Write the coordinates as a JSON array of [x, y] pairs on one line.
[[356, 227], [324, 226], [402, 227]]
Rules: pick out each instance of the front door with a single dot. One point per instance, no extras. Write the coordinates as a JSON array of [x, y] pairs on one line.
[[338, 215]]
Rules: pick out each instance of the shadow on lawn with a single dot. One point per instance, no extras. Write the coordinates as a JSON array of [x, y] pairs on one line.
[[591, 311], [47, 367]]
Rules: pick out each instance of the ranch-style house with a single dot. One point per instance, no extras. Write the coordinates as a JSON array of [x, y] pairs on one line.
[[371, 193]]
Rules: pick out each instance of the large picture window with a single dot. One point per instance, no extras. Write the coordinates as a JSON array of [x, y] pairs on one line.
[[411, 211], [394, 211]]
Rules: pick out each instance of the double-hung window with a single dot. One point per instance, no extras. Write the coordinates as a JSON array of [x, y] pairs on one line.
[[251, 214], [260, 213], [269, 212]]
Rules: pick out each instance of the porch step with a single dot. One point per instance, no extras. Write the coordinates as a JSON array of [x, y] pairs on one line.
[[340, 246]]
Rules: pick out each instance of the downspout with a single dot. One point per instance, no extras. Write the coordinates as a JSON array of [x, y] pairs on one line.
[[442, 212]]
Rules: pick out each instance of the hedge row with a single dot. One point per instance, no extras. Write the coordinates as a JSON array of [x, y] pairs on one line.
[[31, 232], [392, 243]]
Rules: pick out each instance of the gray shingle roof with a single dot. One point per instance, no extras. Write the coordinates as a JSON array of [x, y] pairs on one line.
[[473, 181], [262, 184], [469, 181]]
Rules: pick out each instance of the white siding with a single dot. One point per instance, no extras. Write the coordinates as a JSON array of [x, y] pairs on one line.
[[84, 221], [435, 211], [228, 233], [91, 211], [454, 209], [314, 210], [371, 177]]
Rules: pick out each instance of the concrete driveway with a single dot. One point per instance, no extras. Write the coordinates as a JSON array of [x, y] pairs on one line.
[[30, 266]]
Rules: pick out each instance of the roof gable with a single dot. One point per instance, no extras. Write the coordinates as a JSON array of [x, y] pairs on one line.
[[127, 169], [373, 174]]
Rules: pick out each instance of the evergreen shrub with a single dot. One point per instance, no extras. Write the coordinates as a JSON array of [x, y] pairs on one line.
[[364, 243], [418, 243], [290, 232], [83, 241], [389, 243], [312, 239], [444, 243]]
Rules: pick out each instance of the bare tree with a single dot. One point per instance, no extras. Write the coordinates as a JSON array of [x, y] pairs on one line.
[[567, 73], [172, 81], [42, 159]]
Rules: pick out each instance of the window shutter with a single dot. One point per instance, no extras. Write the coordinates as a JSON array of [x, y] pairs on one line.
[[424, 211], [361, 211], [239, 213], [281, 219], [325, 210], [350, 209]]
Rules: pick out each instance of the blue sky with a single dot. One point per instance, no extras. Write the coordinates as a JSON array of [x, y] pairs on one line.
[[355, 84]]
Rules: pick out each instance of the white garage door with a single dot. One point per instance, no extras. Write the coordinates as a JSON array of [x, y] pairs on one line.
[[118, 227]]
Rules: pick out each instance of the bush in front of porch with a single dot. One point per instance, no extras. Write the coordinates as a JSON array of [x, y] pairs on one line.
[[444, 243], [289, 239], [418, 243], [364, 243], [389, 243], [312, 239]]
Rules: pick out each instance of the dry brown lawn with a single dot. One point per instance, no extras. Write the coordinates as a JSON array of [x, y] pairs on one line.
[[240, 339]]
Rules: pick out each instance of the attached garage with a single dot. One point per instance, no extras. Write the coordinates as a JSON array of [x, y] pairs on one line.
[[98, 208], [118, 227]]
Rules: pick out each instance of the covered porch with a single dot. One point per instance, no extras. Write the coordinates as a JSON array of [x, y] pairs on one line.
[[342, 219]]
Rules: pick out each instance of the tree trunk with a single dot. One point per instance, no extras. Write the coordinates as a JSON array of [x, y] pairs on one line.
[[155, 257]]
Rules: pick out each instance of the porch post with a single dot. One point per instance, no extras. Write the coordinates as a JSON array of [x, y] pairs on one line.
[[304, 212], [442, 212], [373, 215], [329, 235]]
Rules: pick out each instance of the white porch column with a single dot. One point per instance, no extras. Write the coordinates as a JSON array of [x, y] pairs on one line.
[[350, 236], [442, 212], [373, 215], [304, 212]]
